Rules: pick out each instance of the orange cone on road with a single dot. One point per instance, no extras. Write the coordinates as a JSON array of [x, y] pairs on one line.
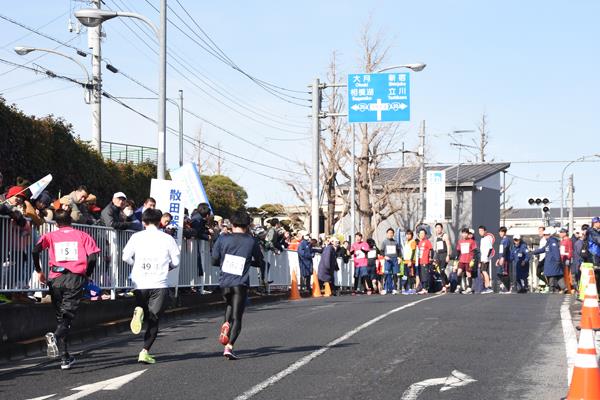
[[590, 309], [327, 290], [294, 292], [316, 289], [585, 383]]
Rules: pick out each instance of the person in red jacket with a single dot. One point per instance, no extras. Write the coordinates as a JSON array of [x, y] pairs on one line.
[[425, 259], [566, 256], [465, 250]]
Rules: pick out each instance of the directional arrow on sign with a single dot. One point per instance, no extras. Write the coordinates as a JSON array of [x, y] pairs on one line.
[[454, 380], [109, 384]]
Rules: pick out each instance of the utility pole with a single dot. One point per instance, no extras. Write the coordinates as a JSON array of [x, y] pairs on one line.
[[94, 43], [571, 205], [180, 128], [422, 172], [316, 136], [403, 154], [162, 94]]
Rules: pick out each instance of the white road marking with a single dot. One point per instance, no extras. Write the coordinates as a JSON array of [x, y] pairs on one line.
[[569, 335], [109, 384], [308, 358], [454, 380], [18, 367], [43, 397]]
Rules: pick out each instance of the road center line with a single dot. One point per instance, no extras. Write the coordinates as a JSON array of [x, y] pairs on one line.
[[308, 358], [569, 335]]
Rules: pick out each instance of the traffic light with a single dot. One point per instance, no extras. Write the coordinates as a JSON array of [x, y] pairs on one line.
[[541, 202]]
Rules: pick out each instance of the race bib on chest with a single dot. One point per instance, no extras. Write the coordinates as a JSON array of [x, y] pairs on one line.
[[501, 249], [390, 250], [233, 265], [465, 248], [440, 245], [66, 251], [360, 255], [563, 251], [372, 254]]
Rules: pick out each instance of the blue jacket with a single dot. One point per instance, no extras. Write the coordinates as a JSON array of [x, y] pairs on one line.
[[520, 254], [327, 265], [577, 246], [504, 250], [305, 257], [593, 236], [552, 264]]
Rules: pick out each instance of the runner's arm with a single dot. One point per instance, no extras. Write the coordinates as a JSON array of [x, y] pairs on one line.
[[91, 264]]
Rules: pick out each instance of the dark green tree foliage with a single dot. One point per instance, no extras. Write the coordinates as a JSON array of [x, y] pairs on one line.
[[33, 147], [225, 195]]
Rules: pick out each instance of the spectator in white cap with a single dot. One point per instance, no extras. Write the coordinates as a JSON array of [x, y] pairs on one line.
[[112, 215]]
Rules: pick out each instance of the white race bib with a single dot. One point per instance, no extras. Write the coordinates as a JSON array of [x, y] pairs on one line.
[[66, 251], [440, 245], [233, 265], [149, 265], [501, 249], [465, 248], [390, 250], [563, 251], [360, 255], [372, 254]]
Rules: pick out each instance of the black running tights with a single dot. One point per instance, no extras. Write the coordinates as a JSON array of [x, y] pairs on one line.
[[235, 298]]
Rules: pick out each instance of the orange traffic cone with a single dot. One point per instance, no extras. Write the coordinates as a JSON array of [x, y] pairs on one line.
[[585, 383], [294, 292], [590, 309], [316, 289], [327, 290]]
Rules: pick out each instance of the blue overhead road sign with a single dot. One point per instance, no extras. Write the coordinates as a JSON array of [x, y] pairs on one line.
[[378, 97]]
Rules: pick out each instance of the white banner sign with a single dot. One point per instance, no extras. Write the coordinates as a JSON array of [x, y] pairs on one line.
[[436, 196], [168, 196], [193, 190]]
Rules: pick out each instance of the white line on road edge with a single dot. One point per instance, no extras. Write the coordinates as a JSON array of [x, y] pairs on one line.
[[306, 359], [569, 335]]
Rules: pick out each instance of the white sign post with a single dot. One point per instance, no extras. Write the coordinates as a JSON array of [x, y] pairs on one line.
[[436, 196], [168, 196]]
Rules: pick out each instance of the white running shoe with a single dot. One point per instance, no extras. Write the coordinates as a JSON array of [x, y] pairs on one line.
[[52, 350], [394, 291]]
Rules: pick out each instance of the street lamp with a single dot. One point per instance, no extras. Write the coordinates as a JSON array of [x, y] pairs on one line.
[[562, 189], [24, 50], [93, 17], [417, 67]]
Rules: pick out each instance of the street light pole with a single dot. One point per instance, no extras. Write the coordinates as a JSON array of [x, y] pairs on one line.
[[23, 50], [316, 137], [562, 188], [162, 93], [353, 187], [93, 17], [180, 128], [422, 173]]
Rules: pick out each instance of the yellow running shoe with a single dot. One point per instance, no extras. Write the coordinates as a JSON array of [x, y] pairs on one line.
[[137, 320], [146, 358]]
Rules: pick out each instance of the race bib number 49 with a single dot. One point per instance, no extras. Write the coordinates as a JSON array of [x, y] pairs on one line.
[[233, 265], [66, 251]]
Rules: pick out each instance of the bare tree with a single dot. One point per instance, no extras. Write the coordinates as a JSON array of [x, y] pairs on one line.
[[484, 137], [375, 196]]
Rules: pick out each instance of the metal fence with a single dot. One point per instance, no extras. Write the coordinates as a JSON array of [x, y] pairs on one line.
[[16, 244]]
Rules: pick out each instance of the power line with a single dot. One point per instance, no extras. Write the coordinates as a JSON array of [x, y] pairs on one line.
[[194, 72], [532, 179]]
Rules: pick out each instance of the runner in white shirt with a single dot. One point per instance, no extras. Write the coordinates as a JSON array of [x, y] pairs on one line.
[[153, 254], [486, 247]]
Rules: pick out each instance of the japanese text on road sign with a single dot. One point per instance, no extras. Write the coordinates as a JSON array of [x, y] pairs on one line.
[[378, 97]]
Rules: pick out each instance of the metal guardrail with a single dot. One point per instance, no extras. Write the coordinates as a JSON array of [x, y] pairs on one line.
[[112, 273]]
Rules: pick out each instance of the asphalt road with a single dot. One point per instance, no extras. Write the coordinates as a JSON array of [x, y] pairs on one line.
[[364, 347]]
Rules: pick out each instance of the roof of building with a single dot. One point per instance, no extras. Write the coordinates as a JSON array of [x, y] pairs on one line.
[[534, 212], [466, 174]]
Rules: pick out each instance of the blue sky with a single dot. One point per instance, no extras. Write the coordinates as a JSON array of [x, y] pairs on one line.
[[530, 66]]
